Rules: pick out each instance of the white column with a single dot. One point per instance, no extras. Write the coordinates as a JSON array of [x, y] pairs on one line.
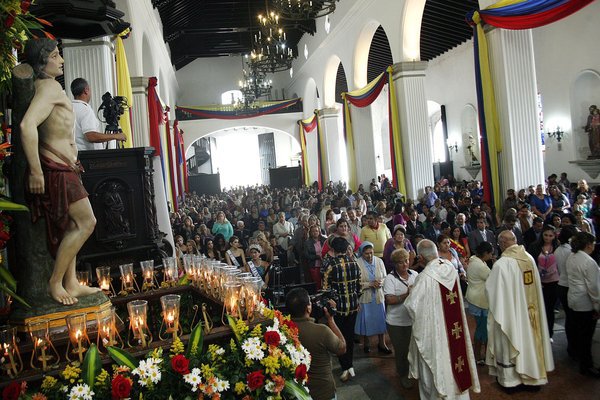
[[364, 147], [94, 61], [336, 168], [140, 121], [409, 81], [513, 74]]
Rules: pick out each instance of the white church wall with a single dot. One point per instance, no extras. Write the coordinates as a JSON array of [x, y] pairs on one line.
[[563, 50]]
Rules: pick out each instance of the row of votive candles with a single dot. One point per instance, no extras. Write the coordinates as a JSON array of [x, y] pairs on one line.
[[44, 355]]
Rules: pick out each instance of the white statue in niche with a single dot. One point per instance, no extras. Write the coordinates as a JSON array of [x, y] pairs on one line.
[[471, 148]]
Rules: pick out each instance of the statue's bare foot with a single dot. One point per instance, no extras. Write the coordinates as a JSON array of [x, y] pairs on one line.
[[59, 294], [77, 290]]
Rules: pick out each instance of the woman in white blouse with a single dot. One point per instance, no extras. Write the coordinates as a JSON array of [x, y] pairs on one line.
[[396, 288], [584, 298]]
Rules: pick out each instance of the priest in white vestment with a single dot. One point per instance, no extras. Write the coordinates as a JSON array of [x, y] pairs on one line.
[[440, 353], [519, 351]]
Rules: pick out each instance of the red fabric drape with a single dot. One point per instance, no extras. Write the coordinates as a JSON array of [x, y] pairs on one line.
[[178, 158], [535, 20], [155, 115], [371, 96], [186, 185]]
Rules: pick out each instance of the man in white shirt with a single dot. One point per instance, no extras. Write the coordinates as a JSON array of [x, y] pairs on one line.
[[87, 127]]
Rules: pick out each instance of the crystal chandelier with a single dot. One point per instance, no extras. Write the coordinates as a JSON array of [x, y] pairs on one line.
[[270, 52], [301, 10]]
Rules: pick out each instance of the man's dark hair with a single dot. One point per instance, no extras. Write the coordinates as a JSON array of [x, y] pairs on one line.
[[37, 52], [296, 302], [78, 86], [339, 245], [537, 220], [566, 232]]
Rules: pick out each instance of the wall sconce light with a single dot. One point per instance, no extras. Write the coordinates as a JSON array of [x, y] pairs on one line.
[[558, 134], [453, 147]]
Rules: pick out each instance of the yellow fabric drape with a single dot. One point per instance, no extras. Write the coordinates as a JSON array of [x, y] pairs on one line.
[[504, 3], [305, 168], [124, 87], [350, 153], [323, 148], [395, 118], [492, 126]]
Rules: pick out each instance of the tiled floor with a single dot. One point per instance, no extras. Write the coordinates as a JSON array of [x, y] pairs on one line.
[[376, 378]]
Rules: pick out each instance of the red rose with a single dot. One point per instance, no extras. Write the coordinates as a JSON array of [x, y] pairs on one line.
[[121, 387], [272, 338], [9, 21], [180, 364], [255, 380], [12, 391], [300, 373], [25, 6]]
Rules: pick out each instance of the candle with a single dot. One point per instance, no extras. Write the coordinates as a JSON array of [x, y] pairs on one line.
[[79, 349], [141, 331], [42, 346], [104, 285]]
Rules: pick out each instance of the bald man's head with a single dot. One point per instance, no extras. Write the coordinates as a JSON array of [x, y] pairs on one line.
[[506, 239]]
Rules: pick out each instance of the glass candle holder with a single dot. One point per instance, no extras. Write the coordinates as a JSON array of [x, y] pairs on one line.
[[170, 270], [188, 261], [147, 274], [44, 354], [170, 304], [108, 335], [232, 299], [104, 280], [251, 287], [127, 278], [12, 363], [138, 322], [83, 277], [78, 338]]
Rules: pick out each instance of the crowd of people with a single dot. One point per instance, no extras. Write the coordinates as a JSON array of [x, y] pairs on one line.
[[388, 258]]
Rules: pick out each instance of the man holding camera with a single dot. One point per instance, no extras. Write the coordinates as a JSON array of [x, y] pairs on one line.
[[319, 340], [87, 127]]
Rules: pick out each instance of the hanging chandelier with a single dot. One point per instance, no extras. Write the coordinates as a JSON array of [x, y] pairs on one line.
[[302, 10], [270, 52], [255, 84]]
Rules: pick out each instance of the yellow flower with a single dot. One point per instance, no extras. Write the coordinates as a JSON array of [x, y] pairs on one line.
[[240, 388], [271, 364], [241, 327], [257, 331], [232, 345], [287, 363], [207, 371], [49, 383], [71, 373], [102, 377], [177, 347]]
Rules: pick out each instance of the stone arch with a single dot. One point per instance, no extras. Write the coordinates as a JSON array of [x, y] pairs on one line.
[[361, 53], [310, 99], [412, 17], [583, 92], [329, 78]]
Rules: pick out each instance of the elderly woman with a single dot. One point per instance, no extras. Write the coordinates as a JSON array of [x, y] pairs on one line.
[[396, 288], [370, 320], [257, 264], [397, 241], [584, 298], [283, 230], [222, 226], [477, 274]]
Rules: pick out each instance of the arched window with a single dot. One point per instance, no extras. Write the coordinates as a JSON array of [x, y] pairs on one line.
[[231, 97]]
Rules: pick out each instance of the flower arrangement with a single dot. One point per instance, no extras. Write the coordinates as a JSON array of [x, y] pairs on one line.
[[265, 362], [16, 24]]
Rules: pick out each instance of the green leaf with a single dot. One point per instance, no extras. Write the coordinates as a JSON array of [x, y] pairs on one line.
[[91, 366], [184, 280], [6, 277], [296, 390], [7, 290], [6, 204], [122, 357], [196, 341], [231, 321]]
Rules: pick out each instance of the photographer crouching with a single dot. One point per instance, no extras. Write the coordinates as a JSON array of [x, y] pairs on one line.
[[319, 340], [87, 126]]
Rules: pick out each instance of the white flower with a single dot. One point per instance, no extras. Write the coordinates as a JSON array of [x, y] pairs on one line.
[[220, 351], [220, 385], [270, 387], [81, 392], [148, 371], [193, 378], [252, 348]]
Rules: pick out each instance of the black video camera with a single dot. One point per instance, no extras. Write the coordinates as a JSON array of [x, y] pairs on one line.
[[320, 302], [112, 109]]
